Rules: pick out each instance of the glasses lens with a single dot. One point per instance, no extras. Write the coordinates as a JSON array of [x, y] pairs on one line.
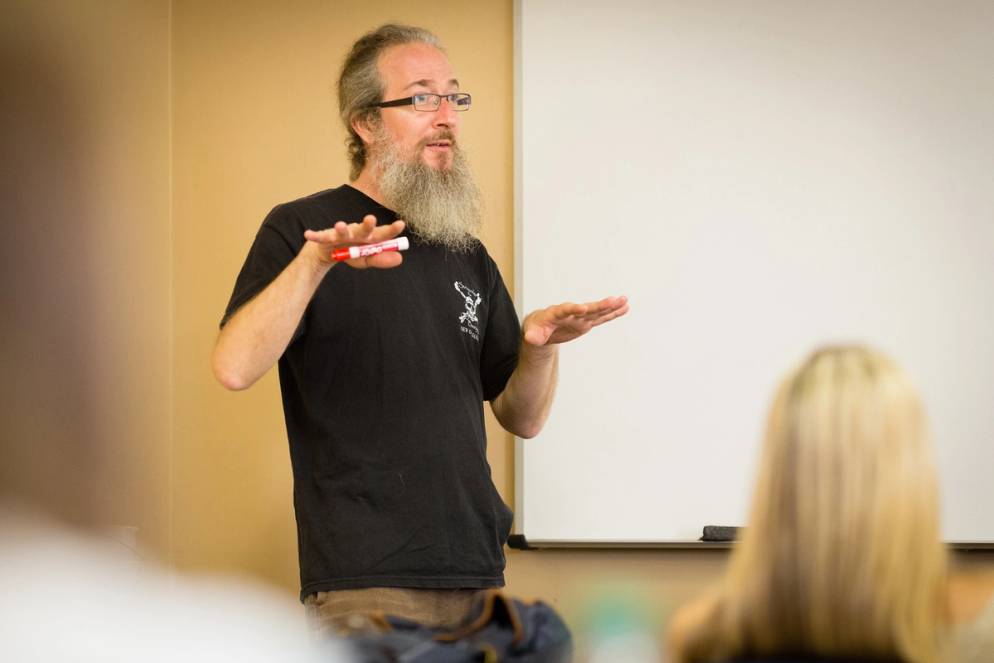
[[459, 101], [426, 102]]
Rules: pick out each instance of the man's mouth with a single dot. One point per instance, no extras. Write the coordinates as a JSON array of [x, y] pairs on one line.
[[439, 144]]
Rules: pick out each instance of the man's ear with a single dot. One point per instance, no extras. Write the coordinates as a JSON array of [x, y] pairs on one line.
[[364, 125]]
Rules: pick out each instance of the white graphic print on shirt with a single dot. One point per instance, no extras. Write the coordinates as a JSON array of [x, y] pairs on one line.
[[469, 323]]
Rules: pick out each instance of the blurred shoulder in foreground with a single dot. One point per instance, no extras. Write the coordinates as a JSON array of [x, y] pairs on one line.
[[75, 596]]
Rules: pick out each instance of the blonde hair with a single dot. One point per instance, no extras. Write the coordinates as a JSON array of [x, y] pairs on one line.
[[842, 553]]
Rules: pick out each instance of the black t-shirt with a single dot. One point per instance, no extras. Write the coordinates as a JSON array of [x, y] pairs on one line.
[[383, 387]]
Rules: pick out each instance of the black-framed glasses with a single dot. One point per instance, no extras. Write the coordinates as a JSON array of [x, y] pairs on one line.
[[426, 101]]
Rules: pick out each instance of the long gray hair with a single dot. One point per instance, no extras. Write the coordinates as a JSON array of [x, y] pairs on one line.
[[360, 85]]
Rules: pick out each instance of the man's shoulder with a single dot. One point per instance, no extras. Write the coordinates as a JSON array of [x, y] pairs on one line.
[[339, 195], [484, 259], [325, 208]]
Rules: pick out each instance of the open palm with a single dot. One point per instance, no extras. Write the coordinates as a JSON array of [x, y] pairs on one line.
[[564, 322]]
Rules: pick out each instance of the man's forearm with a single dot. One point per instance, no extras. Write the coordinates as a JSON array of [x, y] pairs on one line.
[[523, 407], [258, 333]]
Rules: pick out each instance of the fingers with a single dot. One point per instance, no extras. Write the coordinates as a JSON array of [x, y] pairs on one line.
[[343, 233], [612, 315], [564, 322], [607, 305], [579, 318], [365, 232], [567, 310], [351, 234], [384, 260], [383, 233], [607, 308]]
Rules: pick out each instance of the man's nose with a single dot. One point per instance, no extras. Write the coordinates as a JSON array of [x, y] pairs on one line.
[[446, 115]]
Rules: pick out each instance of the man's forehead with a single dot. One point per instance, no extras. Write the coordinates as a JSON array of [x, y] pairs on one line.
[[412, 65]]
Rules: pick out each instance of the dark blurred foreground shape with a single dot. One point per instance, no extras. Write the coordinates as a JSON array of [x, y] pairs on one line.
[[71, 591]]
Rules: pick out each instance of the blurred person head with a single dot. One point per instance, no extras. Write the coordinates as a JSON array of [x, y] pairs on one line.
[[842, 553], [408, 154]]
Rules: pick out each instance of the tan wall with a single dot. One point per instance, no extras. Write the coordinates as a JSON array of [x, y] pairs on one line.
[[256, 124]]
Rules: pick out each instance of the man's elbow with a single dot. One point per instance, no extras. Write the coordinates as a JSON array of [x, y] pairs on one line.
[[521, 424], [528, 431], [227, 374]]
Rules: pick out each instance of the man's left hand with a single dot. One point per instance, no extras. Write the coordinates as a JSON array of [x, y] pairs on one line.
[[565, 322]]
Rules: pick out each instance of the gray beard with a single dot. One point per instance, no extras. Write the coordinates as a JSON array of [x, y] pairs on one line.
[[439, 206]]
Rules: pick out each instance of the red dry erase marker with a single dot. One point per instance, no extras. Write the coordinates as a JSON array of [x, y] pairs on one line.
[[366, 250]]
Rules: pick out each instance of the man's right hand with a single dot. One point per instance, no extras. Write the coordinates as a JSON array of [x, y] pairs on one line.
[[259, 332], [320, 243]]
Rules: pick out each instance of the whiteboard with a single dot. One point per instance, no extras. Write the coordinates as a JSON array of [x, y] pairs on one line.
[[759, 178]]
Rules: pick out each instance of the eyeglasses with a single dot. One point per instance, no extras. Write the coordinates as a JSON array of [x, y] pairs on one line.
[[459, 101]]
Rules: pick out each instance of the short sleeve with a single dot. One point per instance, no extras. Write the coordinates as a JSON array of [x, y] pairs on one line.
[[501, 341], [277, 243]]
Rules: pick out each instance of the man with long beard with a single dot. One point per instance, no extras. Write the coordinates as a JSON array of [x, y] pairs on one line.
[[384, 371]]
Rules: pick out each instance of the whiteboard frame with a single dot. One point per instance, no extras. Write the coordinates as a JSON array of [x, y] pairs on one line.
[[520, 523]]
